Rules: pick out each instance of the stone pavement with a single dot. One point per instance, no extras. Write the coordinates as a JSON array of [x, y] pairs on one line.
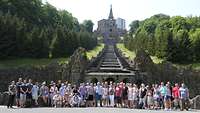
[[3, 109]]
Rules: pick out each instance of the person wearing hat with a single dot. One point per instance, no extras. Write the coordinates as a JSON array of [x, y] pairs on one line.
[[12, 92]]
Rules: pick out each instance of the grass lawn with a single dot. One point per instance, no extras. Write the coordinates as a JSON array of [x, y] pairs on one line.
[[126, 52], [193, 66], [156, 60], [27, 62], [95, 51], [15, 63], [132, 54]]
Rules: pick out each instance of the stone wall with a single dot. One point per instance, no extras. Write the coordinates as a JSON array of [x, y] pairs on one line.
[[77, 64], [155, 73], [72, 71], [39, 74]]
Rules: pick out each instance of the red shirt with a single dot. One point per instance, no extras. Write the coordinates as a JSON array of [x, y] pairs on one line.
[[118, 91], [175, 92]]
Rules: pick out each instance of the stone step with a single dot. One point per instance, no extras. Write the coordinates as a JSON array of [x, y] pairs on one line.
[[114, 66], [110, 68], [109, 63]]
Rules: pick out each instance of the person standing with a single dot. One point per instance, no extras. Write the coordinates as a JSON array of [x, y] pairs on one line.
[[90, 93], [124, 95], [52, 91], [175, 94], [130, 96], [111, 95], [156, 97], [29, 93], [105, 95], [149, 97], [99, 93], [135, 96], [44, 93], [167, 98], [18, 87], [82, 91], [12, 92], [184, 97], [163, 92], [118, 95], [23, 92], [142, 96], [62, 92], [35, 91]]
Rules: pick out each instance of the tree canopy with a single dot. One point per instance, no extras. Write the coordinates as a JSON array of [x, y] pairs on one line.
[[175, 38], [30, 28]]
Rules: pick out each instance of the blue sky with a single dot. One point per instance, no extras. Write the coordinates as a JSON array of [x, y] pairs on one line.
[[127, 9]]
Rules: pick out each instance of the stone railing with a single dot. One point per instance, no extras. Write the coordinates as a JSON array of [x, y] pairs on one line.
[[4, 98], [195, 102]]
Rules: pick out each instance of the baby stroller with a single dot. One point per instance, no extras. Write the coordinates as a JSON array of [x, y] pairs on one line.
[[75, 100]]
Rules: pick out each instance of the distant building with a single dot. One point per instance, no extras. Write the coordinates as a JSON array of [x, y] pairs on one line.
[[109, 29], [121, 23]]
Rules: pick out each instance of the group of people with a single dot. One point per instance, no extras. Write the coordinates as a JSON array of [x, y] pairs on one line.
[[105, 94]]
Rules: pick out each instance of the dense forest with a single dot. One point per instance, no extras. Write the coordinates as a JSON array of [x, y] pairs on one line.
[[33, 29], [175, 39]]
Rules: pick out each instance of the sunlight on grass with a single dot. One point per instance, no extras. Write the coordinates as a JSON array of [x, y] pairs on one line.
[[95, 51], [30, 62], [156, 60], [126, 52], [132, 55], [193, 66]]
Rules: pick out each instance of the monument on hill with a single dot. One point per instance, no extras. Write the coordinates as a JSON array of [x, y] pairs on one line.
[[111, 29]]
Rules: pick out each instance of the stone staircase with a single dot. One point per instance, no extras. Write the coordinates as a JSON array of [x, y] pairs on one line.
[[109, 60]]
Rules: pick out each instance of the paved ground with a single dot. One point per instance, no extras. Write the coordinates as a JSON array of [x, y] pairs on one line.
[[3, 109]]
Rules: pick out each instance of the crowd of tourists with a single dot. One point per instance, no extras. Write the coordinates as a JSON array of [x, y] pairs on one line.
[[105, 94]]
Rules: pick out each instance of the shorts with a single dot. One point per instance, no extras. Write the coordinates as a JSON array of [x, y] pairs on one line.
[[125, 97], [17, 95], [35, 97], [167, 97], [90, 98], [118, 99], [150, 100], [23, 97], [98, 97], [105, 97], [28, 96]]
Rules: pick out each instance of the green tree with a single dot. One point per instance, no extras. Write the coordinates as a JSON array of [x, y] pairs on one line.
[[87, 25]]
